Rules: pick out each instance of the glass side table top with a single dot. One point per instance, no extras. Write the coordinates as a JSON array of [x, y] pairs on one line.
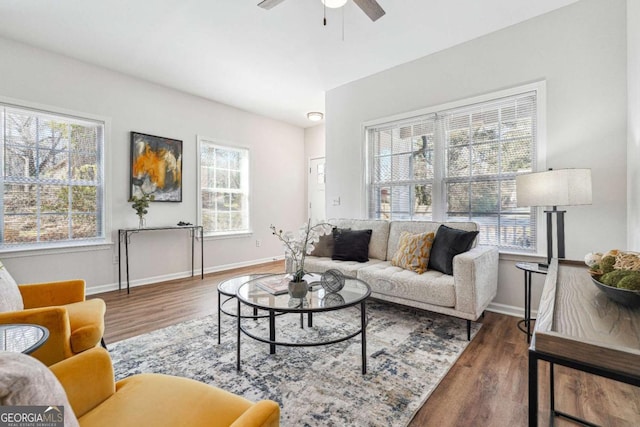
[[317, 299], [22, 338], [229, 287]]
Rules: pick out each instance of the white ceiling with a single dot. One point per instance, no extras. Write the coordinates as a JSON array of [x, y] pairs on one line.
[[277, 63]]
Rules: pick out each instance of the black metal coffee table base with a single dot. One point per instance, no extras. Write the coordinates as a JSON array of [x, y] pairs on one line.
[[273, 342]]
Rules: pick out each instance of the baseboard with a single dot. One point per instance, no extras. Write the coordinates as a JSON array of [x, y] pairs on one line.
[[92, 290], [509, 310]]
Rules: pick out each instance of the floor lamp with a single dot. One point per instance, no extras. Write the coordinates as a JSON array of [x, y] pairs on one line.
[[555, 187]]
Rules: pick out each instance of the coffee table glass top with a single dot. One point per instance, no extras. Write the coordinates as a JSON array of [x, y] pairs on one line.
[[317, 299], [230, 286], [22, 338]]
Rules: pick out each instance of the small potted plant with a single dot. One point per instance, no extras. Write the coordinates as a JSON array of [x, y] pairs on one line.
[[141, 205]]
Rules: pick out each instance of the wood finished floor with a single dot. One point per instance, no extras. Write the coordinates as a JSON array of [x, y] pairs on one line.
[[487, 386]]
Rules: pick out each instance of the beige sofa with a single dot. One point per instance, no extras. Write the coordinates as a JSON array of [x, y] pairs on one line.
[[465, 294]]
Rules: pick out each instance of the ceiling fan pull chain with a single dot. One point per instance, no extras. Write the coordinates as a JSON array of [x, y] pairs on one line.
[[324, 11]]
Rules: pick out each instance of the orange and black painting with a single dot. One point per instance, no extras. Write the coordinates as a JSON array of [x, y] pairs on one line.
[[156, 167]]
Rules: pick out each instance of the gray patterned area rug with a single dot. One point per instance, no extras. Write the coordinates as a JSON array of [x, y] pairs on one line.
[[409, 352]]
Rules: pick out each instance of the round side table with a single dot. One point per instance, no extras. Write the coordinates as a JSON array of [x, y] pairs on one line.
[[22, 338], [529, 269]]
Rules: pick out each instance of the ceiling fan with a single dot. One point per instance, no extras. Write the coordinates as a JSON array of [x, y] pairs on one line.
[[370, 7]]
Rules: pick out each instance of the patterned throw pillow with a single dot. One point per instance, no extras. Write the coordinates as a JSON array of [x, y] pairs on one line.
[[413, 251], [10, 297]]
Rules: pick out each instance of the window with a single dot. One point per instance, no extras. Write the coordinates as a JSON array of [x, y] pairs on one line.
[[224, 188], [52, 179], [458, 164]]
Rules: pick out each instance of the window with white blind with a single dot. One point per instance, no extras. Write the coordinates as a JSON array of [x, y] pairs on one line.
[[458, 164], [224, 188], [52, 179]]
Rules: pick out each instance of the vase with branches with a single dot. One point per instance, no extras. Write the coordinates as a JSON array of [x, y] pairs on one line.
[[298, 244]]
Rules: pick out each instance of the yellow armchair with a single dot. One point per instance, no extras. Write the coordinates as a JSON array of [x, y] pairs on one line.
[[74, 324], [152, 399]]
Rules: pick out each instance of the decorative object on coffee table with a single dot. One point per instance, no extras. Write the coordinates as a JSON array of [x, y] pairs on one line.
[[332, 280], [296, 247], [298, 289]]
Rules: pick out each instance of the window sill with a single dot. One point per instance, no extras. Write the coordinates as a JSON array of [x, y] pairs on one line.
[[20, 252], [223, 236]]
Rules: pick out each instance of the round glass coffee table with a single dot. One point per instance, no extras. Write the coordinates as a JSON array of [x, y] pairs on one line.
[[252, 294], [22, 338]]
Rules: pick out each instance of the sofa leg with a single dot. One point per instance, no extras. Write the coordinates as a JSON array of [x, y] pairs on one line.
[[468, 330]]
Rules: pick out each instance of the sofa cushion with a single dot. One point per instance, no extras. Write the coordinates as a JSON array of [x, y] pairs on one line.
[[448, 243], [432, 287], [10, 298], [379, 235], [413, 251], [351, 245], [348, 268]]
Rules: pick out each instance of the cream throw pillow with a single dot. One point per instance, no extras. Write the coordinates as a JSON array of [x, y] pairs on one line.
[[10, 297], [26, 381], [413, 251]]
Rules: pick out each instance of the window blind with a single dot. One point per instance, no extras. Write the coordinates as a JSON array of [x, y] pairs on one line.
[[458, 165], [52, 178]]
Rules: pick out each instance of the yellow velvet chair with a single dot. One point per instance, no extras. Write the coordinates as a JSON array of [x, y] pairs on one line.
[[152, 399], [74, 324]]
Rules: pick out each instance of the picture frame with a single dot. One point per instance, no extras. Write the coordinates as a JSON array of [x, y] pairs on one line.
[[156, 167]]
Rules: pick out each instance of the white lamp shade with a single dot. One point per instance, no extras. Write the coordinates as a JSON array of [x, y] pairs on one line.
[[334, 4], [557, 187]]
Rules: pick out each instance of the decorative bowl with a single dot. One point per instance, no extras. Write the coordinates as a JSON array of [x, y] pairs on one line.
[[624, 297]]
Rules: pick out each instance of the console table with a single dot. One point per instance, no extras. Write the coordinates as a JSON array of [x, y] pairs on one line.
[[124, 235], [579, 327]]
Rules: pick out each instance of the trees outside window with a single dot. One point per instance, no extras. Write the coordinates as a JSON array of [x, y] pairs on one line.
[[458, 164], [224, 188], [52, 178]]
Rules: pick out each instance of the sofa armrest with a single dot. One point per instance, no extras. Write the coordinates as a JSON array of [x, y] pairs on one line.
[[475, 274], [87, 378], [52, 293], [56, 320], [265, 413]]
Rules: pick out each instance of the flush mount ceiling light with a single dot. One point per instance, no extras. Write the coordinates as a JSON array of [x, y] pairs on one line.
[[315, 116], [334, 4]]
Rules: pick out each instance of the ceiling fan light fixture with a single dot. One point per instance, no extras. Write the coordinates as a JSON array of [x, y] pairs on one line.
[[334, 4], [315, 116]]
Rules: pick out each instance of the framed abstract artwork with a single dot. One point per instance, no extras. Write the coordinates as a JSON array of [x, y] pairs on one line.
[[156, 167]]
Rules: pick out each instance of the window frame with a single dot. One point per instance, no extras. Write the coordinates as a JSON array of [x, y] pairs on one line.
[[69, 246], [199, 217], [439, 196]]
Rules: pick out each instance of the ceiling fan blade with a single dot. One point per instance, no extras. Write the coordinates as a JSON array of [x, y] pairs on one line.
[[371, 8], [268, 4]]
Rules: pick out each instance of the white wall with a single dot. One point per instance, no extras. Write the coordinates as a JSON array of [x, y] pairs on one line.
[[579, 50], [314, 141], [633, 148], [277, 174]]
